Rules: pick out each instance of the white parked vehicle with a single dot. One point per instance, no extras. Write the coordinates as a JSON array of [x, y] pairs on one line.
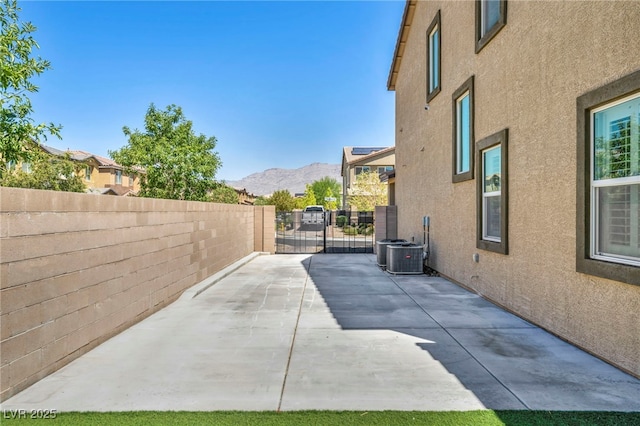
[[313, 215]]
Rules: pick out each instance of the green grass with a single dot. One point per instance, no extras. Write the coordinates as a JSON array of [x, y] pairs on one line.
[[390, 418]]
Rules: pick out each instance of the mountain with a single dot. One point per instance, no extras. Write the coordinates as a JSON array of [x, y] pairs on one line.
[[295, 180]]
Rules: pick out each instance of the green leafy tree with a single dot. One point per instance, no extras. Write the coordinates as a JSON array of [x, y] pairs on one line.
[[17, 68], [178, 164], [44, 171], [328, 188], [224, 194], [261, 201], [329, 205], [309, 198], [367, 192], [299, 203], [283, 200]]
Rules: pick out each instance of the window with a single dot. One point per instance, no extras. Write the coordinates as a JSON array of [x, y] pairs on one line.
[[433, 58], [491, 17], [492, 233], [132, 180], [362, 169], [608, 193], [26, 167], [118, 177], [463, 132], [382, 169], [615, 149], [87, 173]]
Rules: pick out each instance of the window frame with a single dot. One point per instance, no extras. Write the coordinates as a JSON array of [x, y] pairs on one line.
[[500, 138], [586, 104], [483, 39], [467, 86], [362, 170], [118, 177], [435, 25], [87, 173]]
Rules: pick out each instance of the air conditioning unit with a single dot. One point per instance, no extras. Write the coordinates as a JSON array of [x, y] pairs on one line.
[[381, 250], [404, 259]]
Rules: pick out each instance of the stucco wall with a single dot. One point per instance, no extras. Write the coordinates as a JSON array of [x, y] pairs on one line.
[[527, 79], [76, 269]]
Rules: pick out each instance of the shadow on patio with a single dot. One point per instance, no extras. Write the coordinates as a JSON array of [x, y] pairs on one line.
[[505, 361]]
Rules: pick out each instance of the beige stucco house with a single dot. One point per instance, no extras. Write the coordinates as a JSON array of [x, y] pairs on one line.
[[518, 134], [100, 174], [356, 160]]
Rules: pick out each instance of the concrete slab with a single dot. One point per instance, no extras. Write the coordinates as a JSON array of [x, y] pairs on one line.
[[547, 373], [292, 332], [369, 370]]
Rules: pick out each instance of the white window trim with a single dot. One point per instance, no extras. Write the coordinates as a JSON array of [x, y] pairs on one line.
[[602, 183], [486, 195], [459, 150], [433, 67], [483, 24]]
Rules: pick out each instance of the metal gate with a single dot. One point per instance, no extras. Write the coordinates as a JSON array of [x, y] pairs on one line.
[[343, 231]]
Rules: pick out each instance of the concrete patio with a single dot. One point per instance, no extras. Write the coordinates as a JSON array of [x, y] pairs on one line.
[[294, 332]]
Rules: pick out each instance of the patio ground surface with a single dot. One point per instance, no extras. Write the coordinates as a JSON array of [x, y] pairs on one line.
[[335, 332]]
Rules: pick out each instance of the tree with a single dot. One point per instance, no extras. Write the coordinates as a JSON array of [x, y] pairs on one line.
[[329, 205], [368, 192], [224, 194], [261, 201], [44, 171], [327, 188], [283, 200], [17, 68], [178, 164], [309, 198]]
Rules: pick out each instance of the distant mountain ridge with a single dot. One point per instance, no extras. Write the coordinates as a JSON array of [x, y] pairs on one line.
[[293, 180]]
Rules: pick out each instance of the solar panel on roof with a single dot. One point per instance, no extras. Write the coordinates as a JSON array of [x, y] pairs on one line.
[[363, 150]]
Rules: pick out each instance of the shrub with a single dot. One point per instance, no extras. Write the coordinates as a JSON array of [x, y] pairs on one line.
[[350, 230], [366, 229], [341, 221]]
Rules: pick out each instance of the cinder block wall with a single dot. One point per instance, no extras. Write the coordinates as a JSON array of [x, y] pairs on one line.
[[76, 269]]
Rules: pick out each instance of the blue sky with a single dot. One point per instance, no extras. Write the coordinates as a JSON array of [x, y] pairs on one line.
[[279, 84]]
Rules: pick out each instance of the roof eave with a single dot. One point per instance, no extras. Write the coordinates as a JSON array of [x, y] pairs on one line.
[[403, 34], [382, 153]]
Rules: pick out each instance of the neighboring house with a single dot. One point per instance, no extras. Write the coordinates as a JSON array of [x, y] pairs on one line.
[[99, 173], [356, 160], [389, 177], [245, 197], [518, 135]]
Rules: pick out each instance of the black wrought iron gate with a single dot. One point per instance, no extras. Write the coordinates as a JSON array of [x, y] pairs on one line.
[[343, 231]]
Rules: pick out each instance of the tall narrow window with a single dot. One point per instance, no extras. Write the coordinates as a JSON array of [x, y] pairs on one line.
[[433, 58], [491, 17], [87, 173], [608, 192], [118, 177], [492, 193], [463, 132]]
